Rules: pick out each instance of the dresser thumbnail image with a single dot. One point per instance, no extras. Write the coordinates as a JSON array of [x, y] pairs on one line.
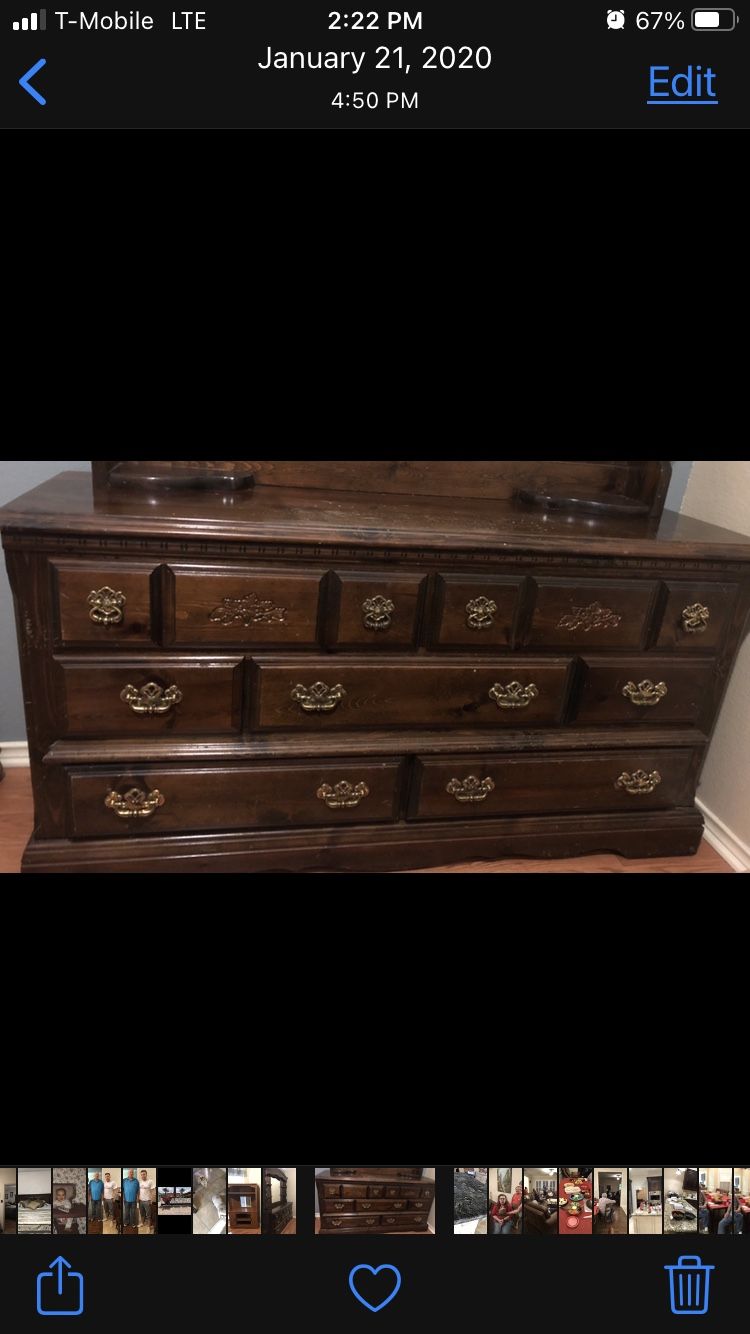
[[8, 1209], [34, 1201], [716, 1214], [139, 1201], [358, 1200], [505, 1201], [104, 1196], [68, 1201], [209, 1201], [470, 1200], [243, 1199], [279, 1208]]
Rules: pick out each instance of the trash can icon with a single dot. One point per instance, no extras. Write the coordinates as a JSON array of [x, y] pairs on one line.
[[689, 1285]]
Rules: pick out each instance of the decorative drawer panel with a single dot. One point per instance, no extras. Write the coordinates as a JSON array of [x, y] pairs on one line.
[[374, 611], [107, 604], [170, 799], [375, 1206], [589, 614], [349, 1223], [645, 691], [409, 1222], [143, 697], [627, 780], [328, 693], [417, 1193], [334, 1206], [696, 616], [351, 1192], [475, 613], [236, 605], [329, 1192]]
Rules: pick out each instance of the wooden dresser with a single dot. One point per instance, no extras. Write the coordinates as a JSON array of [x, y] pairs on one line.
[[374, 1199], [288, 676]]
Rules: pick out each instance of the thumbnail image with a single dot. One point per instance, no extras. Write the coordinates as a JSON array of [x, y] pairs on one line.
[[716, 1214], [377, 1199], [104, 1201], [681, 1199], [506, 1201], [540, 1201], [209, 1201], [8, 1211], [174, 1199], [644, 1201], [243, 1200], [68, 1201], [470, 1200], [742, 1201], [139, 1201], [279, 1210], [34, 1201], [575, 1203], [610, 1201]]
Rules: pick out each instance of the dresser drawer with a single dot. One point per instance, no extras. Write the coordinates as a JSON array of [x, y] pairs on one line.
[[328, 1192], [331, 1206], [416, 1193], [696, 616], [409, 1222], [104, 603], [121, 696], [208, 604], [645, 691], [375, 611], [349, 1223], [170, 799], [585, 614], [627, 780], [475, 612], [376, 1206], [326, 693]]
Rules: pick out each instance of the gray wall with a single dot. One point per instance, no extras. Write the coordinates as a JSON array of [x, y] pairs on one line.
[[15, 478]]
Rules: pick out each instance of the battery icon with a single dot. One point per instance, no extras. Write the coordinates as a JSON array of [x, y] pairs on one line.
[[713, 20]]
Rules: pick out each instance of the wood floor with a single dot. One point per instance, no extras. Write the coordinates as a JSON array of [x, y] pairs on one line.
[[16, 816]]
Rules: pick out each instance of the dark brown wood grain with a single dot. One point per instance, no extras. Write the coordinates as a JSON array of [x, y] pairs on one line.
[[718, 598], [252, 797], [359, 620], [551, 785], [224, 604], [92, 686], [586, 614], [601, 697], [465, 616], [74, 582], [424, 692]]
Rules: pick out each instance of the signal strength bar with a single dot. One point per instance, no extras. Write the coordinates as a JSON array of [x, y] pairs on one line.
[[36, 22]]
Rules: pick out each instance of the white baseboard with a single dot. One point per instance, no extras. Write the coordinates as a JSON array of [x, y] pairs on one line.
[[14, 754], [727, 844]]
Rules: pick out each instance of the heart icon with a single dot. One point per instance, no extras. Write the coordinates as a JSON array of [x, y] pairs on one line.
[[370, 1270]]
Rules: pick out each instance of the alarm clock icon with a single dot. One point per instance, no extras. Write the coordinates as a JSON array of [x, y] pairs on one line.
[[616, 18]]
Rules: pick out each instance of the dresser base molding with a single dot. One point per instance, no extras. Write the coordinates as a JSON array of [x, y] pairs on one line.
[[675, 833]]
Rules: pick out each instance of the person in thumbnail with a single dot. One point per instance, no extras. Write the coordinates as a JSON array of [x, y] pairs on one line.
[[732, 1220], [504, 1214], [606, 1206], [96, 1191], [145, 1196], [109, 1196], [130, 1199], [517, 1200], [61, 1211]]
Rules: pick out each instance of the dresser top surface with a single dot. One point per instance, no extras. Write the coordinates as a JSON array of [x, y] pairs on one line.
[[66, 505]]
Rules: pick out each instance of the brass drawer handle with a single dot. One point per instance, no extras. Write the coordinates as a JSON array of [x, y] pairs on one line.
[[151, 698], [106, 606], [135, 804], [419, 1218], [342, 796], [337, 1222], [366, 1206], [639, 784], [370, 1222], [390, 1219], [377, 613], [340, 1207], [645, 694], [514, 695], [318, 698], [480, 613], [470, 789], [695, 619]]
